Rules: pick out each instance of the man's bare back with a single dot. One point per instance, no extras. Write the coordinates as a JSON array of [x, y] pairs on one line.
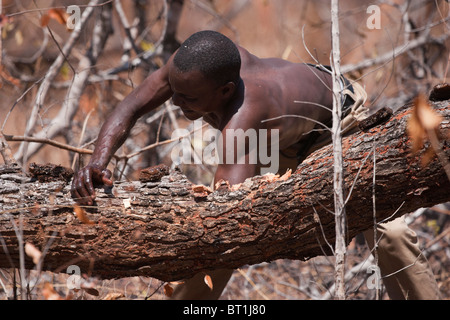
[[288, 92]]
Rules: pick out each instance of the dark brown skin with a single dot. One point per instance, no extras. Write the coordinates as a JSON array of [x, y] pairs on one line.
[[269, 88]]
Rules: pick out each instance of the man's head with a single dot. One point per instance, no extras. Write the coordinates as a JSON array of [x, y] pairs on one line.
[[211, 53], [204, 73]]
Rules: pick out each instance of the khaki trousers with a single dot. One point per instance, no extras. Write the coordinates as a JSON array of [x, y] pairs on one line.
[[405, 272]]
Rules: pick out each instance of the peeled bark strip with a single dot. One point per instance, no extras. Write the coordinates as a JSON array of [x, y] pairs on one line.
[[171, 229]]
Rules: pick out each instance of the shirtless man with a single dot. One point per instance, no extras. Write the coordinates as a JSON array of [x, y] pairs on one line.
[[210, 77]]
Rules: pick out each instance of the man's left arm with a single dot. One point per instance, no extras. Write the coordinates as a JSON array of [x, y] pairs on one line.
[[238, 158]]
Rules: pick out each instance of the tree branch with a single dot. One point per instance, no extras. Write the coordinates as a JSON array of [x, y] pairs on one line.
[[389, 56], [171, 229]]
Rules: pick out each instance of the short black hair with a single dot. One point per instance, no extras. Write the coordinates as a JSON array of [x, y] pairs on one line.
[[211, 53]]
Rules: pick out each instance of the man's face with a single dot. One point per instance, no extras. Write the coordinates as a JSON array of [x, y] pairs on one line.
[[194, 93]]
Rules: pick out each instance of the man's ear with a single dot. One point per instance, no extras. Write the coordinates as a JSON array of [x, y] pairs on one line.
[[228, 90]]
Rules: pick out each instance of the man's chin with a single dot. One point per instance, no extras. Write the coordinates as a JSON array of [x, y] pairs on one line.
[[191, 115]]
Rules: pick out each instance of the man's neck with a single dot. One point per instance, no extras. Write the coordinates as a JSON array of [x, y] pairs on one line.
[[219, 118]]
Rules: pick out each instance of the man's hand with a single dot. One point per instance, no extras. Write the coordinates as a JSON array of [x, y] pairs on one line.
[[84, 180]]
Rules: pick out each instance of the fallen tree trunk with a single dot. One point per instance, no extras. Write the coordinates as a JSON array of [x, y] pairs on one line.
[[170, 230]]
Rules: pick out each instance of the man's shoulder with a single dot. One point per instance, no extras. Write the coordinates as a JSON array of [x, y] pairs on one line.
[[255, 108], [262, 93]]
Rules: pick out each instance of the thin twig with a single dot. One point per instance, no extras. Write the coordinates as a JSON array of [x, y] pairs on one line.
[[81, 137], [17, 101], [126, 26], [60, 7], [377, 290], [88, 151], [49, 142], [339, 203], [389, 56], [296, 116]]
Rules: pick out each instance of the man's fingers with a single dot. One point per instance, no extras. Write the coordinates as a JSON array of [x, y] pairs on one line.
[[83, 189], [74, 193], [75, 189], [106, 177], [79, 196], [107, 181], [107, 173], [88, 184]]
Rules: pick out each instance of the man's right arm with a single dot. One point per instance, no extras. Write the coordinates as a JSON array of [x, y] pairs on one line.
[[153, 92]]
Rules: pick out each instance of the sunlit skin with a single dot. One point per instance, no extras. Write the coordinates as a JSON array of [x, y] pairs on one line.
[[268, 88]]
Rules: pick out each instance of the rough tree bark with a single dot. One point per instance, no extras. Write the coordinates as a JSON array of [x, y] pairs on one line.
[[170, 230]]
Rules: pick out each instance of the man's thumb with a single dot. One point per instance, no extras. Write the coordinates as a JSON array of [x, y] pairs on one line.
[[106, 175]]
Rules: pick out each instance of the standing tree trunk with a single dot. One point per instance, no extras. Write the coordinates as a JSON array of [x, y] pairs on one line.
[[170, 229]]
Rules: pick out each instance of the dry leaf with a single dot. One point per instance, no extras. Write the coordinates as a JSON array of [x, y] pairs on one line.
[[45, 19], [113, 296], [33, 252], [427, 156], [18, 36], [208, 281], [88, 102], [91, 291], [65, 71], [168, 290], [3, 20], [89, 286], [81, 215], [423, 119], [50, 293], [56, 14], [59, 15], [428, 117], [146, 46]]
